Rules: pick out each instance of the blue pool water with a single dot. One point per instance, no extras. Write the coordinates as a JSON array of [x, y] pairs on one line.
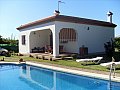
[[25, 77]]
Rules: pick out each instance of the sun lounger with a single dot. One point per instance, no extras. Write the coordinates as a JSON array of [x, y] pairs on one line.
[[109, 63], [92, 60]]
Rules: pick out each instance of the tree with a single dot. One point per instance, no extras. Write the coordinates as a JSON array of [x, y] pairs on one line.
[[1, 40], [117, 43], [109, 50], [0, 37], [8, 41]]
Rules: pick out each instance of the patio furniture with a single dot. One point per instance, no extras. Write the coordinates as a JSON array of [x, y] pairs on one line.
[[38, 49], [61, 49], [48, 49], [109, 63], [68, 58], [112, 66], [98, 59]]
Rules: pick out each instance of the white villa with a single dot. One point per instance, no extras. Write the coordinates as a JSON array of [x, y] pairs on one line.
[[66, 34]]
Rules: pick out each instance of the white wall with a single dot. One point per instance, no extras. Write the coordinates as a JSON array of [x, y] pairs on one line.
[[94, 38], [24, 48], [34, 40]]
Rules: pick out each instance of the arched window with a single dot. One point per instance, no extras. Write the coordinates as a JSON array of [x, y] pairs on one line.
[[67, 34]]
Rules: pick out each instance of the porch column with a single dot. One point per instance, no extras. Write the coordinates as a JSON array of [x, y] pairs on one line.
[[55, 43]]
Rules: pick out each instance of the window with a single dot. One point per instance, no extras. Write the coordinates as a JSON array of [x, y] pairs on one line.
[[23, 40], [67, 34]]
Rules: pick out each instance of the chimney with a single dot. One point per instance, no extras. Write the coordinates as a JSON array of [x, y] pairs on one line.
[[109, 16]]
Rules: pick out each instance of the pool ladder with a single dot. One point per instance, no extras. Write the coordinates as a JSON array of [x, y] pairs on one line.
[[112, 71]]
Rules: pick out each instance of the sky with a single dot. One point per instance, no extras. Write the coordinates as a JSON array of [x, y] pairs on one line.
[[14, 13]]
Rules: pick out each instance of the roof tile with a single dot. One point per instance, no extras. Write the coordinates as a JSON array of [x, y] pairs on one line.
[[71, 19]]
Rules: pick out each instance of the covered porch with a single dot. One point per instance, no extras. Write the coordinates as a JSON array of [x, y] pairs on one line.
[[52, 41]]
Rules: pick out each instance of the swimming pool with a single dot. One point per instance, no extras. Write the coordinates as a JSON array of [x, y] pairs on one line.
[[26, 77]]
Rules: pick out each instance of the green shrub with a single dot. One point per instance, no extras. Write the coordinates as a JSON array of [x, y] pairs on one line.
[[117, 43], [8, 54]]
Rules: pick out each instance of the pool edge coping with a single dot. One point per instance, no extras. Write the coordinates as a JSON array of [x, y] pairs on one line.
[[72, 71]]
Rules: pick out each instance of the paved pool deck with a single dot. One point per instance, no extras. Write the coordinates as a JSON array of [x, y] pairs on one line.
[[72, 71]]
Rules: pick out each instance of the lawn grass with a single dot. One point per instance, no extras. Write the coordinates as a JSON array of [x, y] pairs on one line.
[[69, 63]]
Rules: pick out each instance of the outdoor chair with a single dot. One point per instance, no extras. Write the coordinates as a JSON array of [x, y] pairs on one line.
[[48, 48], [98, 59]]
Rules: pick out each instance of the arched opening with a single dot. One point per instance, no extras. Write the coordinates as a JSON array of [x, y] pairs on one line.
[[67, 39], [67, 35], [39, 39]]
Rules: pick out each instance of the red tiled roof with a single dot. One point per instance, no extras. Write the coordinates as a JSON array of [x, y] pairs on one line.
[[67, 19]]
